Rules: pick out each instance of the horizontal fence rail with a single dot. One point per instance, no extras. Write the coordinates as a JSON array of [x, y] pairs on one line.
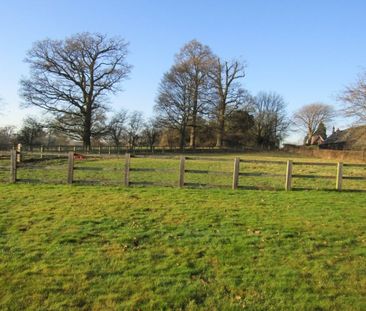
[[181, 170], [105, 149]]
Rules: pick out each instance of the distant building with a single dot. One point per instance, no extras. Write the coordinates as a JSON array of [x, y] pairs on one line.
[[315, 140], [353, 138]]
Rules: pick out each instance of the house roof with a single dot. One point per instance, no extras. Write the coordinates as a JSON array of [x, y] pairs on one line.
[[337, 137], [354, 137], [315, 140]]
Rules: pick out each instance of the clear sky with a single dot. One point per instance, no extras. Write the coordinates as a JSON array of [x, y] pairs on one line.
[[306, 51]]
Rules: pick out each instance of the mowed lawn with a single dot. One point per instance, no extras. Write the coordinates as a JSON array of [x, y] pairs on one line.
[[114, 248]]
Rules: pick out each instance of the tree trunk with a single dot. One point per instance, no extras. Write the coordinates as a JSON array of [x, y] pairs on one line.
[[192, 137], [219, 138], [182, 139], [87, 133], [221, 128], [193, 134], [192, 142]]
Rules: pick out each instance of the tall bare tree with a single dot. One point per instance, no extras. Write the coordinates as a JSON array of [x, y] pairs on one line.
[[310, 117], [7, 135], [72, 78], [196, 59], [174, 102], [354, 96], [117, 127], [31, 132], [134, 128], [270, 119], [151, 133], [229, 95]]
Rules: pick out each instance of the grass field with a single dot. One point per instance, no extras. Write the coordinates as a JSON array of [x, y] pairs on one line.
[[114, 248], [108, 247], [113, 172]]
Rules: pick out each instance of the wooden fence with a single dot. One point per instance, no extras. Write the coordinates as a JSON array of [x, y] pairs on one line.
[[182, 170], [113, 150]]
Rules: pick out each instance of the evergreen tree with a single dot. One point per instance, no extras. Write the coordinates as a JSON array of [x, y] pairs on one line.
[[321, 130]]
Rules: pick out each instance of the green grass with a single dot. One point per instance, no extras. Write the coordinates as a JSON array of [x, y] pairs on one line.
[[114, 172], [114, 248]]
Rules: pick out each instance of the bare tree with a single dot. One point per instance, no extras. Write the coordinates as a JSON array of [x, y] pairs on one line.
[[354, 96], [310, 117], [151, 133], [135, 125], [31, 132], [71, 79], [174, 102], [117, 127], [229, 95], [7, 135], [195, 59], [270, 119]]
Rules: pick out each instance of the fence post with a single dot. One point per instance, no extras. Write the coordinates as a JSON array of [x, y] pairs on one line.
[[109, 150], [127, 169], [182, 163], [70, 168], [339, 176], [13, 166], [100, 149], [41, 150], [288, 183], [236, 173], [19, 153]]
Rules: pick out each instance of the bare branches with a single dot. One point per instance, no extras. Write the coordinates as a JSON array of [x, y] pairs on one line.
[[135, 126], [270, 119], [310, 117], [195, 60], [228, 94], [72, 78], [174, 103], [117, 127], [354, 96], [203, 91]]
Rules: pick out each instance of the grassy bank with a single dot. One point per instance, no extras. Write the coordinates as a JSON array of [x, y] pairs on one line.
[[110, 248]]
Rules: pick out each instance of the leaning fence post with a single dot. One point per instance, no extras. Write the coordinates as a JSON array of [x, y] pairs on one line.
[[339, 176], [181, 171], [70, 168], [236, 173], [288, 184], [13, 166], [127, 169]]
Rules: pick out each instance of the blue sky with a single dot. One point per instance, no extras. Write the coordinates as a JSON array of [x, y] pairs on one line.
[[306, 51]]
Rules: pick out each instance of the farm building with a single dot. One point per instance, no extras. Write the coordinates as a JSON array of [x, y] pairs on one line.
[[353, 138], [315, 140]]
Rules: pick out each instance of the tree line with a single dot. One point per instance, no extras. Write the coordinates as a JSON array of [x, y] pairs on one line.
[[201, 100]]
